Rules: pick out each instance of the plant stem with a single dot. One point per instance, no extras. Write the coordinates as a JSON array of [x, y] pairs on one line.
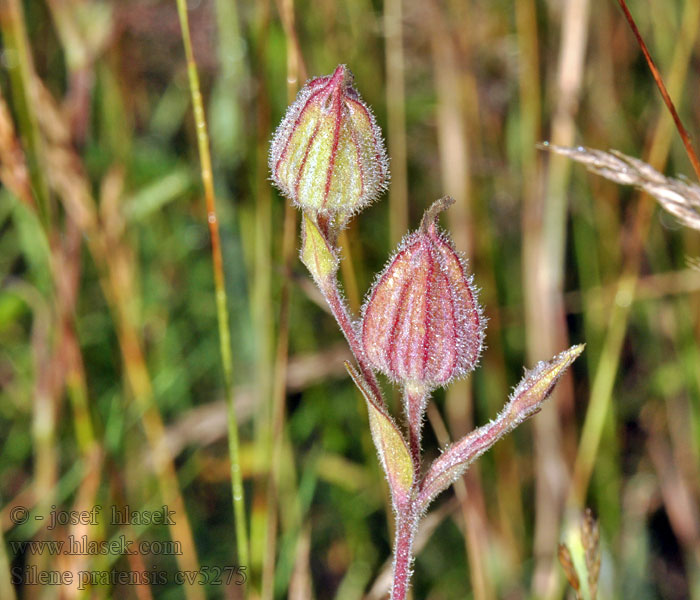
[[403, 551], [414, 403], [220, 286], [342, 316], [687, 143]]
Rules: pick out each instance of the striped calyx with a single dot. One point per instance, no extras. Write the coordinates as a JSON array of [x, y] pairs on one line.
[[327, 155], [421, 324]]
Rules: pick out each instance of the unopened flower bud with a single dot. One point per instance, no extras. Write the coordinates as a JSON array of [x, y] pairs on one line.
[[422, 325], [327, 154]]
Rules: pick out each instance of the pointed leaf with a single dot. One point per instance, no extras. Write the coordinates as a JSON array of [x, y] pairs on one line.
[[537, 384], [525, 401], [391, 446], [316, 253]]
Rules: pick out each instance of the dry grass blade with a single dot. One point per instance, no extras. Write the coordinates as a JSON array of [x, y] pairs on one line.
[[679, 197], [662, 88], [590, 537]]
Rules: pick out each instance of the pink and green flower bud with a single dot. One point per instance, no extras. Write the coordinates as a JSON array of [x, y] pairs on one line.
[[421, 324], [327, 154]]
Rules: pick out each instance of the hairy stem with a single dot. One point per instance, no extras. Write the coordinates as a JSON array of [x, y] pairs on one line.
[[415, 400], [406, 524], [342, 315]]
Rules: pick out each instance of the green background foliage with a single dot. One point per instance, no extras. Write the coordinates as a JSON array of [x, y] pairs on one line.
[[463, 91]]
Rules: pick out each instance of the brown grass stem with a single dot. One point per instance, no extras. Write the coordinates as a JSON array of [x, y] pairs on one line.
[[262, 302], [687, 143], [396, 119], [115, 271], [58, 357], [277, 417], [119, 293], [604, 377], [454, 144], [45, 354], [66, 269], [220, 287]]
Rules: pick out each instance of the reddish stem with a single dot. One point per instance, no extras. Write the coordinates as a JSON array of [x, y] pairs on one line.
[[414, 403], [690, 151], [406, 517], [403, 551], [342, 315]]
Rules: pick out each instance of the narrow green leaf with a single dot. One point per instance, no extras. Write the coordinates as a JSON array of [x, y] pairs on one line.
[[391, 446]]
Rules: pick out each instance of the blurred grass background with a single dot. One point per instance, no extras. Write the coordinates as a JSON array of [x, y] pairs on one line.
[[112, 390]]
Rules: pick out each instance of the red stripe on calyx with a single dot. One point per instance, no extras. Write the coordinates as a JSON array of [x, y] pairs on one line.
[[426, 307], [338, 110], [392, 338], [455, 330]]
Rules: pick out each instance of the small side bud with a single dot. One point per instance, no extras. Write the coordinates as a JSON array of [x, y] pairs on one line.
[[538, 383], [327, 155], [421, 323]]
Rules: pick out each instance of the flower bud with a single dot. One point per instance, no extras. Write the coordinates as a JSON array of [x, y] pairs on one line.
[[327, 154], [421, 323]]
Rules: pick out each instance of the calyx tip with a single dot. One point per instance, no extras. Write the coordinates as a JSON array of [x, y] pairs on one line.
[[431, 215], [343, 77]]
